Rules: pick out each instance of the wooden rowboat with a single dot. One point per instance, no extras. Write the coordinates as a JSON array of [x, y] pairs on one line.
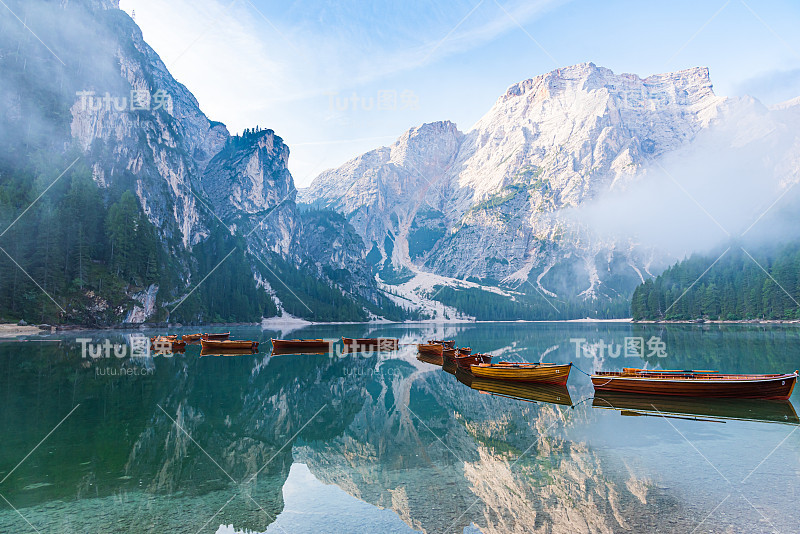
[[450, 344], [166, 347], [295, 344], [368, 344], [548, 373], [216, 336], [226, 344], [696, 384], [192, 338], [633, 404], [466, 360], [449, 354], [430, 348], [166, 338], [227, 352]]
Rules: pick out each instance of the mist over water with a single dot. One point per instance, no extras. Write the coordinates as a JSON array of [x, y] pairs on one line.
[[734, 182]]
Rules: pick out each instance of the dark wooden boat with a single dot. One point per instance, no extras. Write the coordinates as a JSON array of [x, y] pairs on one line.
[[696, 384], [369, 344], [167, 344], [430, 348], [165, 348], [761, 410], [449, 354], [226, 344], [301, 344], [192, 338], [449, 343], [168, 337], [430, 358], [466, 360], [449, 366], [228, 352], [550, 373], [301, 351], [216, 336]]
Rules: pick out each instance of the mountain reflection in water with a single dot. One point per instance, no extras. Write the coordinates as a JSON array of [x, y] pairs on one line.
[[245, 443]]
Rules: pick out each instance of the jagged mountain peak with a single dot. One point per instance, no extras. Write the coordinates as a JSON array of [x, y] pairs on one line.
[[436, 197], [427, 142], [588, 77]]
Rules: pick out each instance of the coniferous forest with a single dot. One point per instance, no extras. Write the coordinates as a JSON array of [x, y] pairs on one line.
[[78, 254], [737, 287]]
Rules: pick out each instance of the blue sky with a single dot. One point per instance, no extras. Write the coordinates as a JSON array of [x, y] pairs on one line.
[[294, 66]]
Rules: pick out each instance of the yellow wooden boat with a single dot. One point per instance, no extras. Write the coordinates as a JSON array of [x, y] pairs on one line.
[[548, 373]]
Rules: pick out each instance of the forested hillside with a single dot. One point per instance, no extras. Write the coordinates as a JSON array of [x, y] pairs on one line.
[[735, 288], [488, 306]]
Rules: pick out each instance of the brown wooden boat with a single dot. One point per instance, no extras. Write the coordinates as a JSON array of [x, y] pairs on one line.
[[466, 360], [550, 373], [167, 345], [449, 366], [301, 351], [449, 354], [761, 410], [226, 344], [449, 343], [301, 344], [228, 352], [696, 384], [369, 344], [168, 338], [192, 338], [430, 348], [218, 336]]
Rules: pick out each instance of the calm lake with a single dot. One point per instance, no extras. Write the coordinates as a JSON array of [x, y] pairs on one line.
[[388, 443]]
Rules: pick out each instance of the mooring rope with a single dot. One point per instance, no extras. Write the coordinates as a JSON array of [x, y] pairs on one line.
[[581, 370]]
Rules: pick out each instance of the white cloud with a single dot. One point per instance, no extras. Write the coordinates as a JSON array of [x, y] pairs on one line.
[[277, 70]]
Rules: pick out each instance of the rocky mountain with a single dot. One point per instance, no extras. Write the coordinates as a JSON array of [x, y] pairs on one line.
[[99, 93], [446, 208]]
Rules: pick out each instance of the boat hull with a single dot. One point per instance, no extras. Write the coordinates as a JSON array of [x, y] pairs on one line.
[[430, 348], [710, 386], [544, 374], [227, 352], [472, 359], [301, 344], [229, 345], [216, 336]]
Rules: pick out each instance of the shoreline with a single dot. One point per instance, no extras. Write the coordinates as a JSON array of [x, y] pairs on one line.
[[11, 330], [714, 321]]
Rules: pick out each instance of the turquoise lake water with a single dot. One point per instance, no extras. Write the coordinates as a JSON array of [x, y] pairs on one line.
[[389, 443]]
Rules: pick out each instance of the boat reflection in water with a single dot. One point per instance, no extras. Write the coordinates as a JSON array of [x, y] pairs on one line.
[[632, 404], [433, 359], [525, 391]]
